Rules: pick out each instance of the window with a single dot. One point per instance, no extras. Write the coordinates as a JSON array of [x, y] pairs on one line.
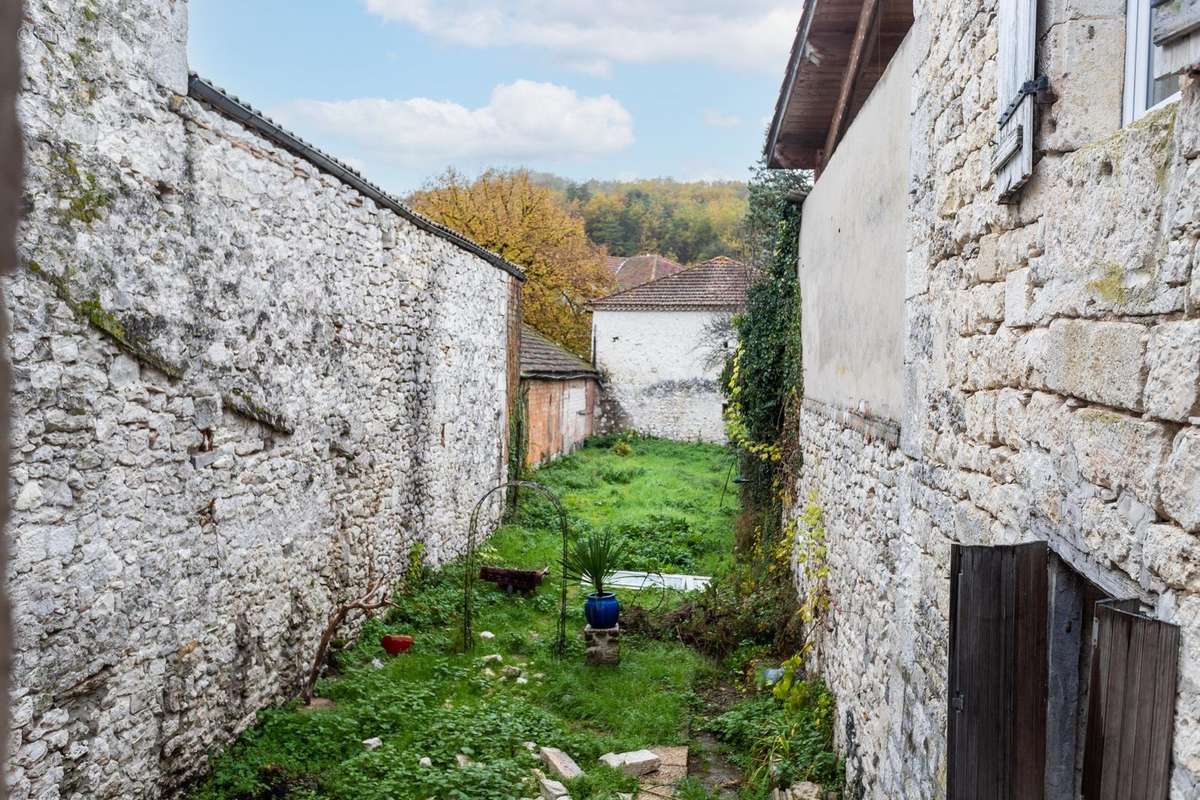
[[1143, 92]]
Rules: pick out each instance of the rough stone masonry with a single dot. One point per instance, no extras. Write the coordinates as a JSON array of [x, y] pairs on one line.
[[240, 388], [1052, 383]]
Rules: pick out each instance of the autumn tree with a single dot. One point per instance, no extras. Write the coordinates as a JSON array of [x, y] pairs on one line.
[[529, 225]]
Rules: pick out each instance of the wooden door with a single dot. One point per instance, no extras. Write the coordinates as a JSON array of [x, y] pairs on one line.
[[998, 673], [1131, 717]]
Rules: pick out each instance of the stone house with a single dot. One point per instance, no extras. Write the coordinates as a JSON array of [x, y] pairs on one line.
[[1001, 423], [652, 345], [560, 391], [239, 375]]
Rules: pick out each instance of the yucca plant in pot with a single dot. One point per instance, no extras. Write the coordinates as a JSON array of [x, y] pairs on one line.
[[594, 558]]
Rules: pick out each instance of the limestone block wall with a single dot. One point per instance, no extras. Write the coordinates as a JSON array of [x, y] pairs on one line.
[[1052, 383], [240, 388], [655, 379]]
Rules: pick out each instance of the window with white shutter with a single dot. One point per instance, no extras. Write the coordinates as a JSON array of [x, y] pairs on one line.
[[1018, 87]]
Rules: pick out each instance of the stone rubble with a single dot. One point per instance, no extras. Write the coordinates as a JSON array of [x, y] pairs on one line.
[[633, 763], [560, 764]]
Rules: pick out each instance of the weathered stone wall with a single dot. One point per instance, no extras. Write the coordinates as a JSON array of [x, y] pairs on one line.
[[11, 160], [240, 387], [655, 378], [1052, 383]]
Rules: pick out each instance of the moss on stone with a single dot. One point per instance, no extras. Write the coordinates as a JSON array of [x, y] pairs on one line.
[[101, 318], [94, 313], [1111, 286], [85, 199], [239, 401]]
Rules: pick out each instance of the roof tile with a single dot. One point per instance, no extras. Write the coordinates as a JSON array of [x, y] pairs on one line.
[[542, 358], [718, 284]]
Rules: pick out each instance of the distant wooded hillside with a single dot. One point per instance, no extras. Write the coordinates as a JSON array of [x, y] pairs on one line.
[[688, 222]]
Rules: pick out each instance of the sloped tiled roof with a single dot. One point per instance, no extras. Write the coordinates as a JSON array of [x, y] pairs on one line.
[[718, 284], [542, 358], [636, 270]]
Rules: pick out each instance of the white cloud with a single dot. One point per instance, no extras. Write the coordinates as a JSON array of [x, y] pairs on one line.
[[522, 121], [752, 34], [596, 67], [716, 119]]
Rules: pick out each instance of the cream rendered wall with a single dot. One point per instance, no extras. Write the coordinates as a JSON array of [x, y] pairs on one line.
[[853, 248], [654, 367]]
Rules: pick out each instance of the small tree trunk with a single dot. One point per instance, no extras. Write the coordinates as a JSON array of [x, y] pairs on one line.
[[365, 604]]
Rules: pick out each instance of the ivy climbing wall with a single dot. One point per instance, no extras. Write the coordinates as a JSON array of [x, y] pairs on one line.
[[241, 386]]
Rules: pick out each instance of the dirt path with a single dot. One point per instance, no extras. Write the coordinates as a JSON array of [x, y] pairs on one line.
[[707, 764], [706, 760]]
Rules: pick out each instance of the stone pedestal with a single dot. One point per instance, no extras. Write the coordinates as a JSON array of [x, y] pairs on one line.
[[603, 644]]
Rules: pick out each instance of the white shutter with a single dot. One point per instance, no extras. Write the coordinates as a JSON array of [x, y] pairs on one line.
[[1013, 159]]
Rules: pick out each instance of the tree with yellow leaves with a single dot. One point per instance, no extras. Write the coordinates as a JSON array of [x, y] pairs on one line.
[[530, 226]]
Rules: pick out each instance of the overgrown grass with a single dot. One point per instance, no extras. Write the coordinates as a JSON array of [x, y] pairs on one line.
[[437, 703]]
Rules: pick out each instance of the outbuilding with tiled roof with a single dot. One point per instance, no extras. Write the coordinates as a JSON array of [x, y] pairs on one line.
[[718, 284], [560, 392]]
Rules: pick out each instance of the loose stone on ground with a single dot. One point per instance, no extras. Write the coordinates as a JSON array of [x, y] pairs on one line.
[[560, 764]]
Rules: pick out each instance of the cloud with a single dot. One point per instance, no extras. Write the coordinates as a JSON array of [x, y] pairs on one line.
[[750, 34], [715, 119], [596, 67], [522, 121]]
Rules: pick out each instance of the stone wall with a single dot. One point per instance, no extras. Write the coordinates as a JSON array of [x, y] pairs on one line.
[[1052, 383], [655, 378], [240, 387], [10, 196]]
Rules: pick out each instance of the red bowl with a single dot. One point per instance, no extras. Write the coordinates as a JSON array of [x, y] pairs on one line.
[[396, 643]]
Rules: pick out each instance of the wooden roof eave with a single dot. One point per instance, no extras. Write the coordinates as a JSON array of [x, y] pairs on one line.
[[830, 74]]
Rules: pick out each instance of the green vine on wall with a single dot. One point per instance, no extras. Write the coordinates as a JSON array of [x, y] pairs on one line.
[[763, 387], [518, 447]]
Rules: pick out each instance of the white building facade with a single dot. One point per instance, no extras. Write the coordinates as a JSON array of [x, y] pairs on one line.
[[654, 345]]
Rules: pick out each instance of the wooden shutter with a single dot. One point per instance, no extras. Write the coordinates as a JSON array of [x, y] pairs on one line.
[[998, 672], [1176, 29], [1012, 162], [1131, 719]]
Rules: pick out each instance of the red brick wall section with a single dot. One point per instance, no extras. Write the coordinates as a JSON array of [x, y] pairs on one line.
[[550, 433], [10, 196]]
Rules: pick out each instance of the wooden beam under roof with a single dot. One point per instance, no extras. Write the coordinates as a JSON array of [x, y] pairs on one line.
[[817, 71], [868, 27]]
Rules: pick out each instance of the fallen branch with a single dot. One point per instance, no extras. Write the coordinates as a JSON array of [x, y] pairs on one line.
[[366, 603]]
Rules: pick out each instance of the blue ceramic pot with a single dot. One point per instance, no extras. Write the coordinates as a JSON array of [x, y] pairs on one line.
[[602, 610]]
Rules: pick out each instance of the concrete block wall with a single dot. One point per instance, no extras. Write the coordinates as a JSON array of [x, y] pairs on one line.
[[240, 387], [1051, 383]]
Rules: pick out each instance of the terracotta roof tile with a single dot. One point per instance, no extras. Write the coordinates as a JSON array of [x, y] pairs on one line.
[[636, 270], [718, 284], [542, 358]]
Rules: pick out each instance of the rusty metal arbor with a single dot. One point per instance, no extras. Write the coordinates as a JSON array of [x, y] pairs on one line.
[[470, 572]]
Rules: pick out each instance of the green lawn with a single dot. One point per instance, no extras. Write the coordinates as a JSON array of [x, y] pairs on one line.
[[435, 702]]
